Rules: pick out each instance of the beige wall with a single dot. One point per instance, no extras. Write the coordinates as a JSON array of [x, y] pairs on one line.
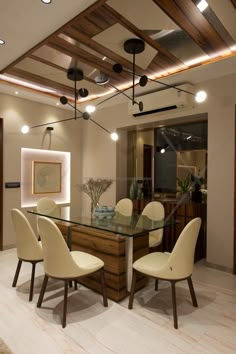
[[220, 107], [65, 137], [94, 155]]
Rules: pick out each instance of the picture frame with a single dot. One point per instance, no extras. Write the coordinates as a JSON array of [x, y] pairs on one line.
[[46, 177]]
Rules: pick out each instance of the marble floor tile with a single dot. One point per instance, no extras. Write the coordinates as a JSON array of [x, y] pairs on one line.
[[92, 328]]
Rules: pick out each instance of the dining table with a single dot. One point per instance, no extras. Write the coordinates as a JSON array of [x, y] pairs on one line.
[[117, 239]]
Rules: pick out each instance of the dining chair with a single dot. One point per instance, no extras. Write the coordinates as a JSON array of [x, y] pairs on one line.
[[155, 211], [173, 267], [45, 205], [124, 207], [61, 263], [28, 248]]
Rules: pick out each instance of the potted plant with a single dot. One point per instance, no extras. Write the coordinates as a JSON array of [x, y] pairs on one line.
[[184, 185], [196, 185]]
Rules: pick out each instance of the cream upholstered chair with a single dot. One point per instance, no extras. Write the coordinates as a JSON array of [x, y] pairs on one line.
[[155, 211], [60, 263], [124, 207], [27, 246], [173, 267], [45, 205]]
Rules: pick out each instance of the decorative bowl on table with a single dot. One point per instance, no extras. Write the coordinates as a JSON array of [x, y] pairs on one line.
[[103, 212]]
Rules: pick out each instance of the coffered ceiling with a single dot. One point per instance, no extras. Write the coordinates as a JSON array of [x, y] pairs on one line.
[[44, 41]]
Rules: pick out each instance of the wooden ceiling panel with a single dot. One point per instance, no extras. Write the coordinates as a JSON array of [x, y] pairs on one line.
[[191, 20], [75, 44]]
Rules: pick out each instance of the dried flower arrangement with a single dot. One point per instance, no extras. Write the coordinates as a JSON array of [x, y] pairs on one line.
[[94, 188]]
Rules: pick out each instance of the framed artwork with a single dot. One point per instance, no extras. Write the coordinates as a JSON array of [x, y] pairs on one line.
[[46, 177]]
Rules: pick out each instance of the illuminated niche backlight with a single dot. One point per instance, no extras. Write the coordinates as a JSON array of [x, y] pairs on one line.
[[28, 157]]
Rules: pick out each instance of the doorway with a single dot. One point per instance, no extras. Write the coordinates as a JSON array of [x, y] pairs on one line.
[[1, 184], [147, 170]]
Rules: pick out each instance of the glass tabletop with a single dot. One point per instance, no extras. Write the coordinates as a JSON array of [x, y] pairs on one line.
[[123, 225]]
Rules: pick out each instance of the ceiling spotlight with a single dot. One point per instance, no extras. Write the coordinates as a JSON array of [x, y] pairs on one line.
[[202, 5], [189, 137], [90, 109], [2, 41], [102, 79], [25, 129], [200, 96], [163, 149], [46, 1], [114, 136], [83, 92]]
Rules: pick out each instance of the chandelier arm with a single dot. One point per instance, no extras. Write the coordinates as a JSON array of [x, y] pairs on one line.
[[54, 122], [171, 86], [75, 99], [133, 89], [109, 98], [122, 92], [160, 82], [75, 108], [106, 130]]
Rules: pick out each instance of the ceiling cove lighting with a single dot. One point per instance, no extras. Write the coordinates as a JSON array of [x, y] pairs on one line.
[[7, 78], [2, 41], [135, 46], [202, 5], [75, 75]]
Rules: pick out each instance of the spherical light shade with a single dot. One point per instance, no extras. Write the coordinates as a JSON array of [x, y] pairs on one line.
[[114, 136], [162, 151], [63, 100], [90, 108], [25, 129], [200, 96]]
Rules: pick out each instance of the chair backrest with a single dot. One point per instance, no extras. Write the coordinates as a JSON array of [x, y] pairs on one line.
[[155, 211], [58, 261], [27, 245], [46, 205], [181, 261], [124, 207]]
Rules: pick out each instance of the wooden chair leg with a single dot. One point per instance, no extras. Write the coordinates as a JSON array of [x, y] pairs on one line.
[[65, 303], [71, 284], [32, 281], [105, 303], [17, 273], [42, 291], [131, 297], [192, 292], [174, 304], [156, 284]]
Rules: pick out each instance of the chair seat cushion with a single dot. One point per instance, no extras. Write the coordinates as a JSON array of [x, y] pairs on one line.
[[86, 262], [152, 263]]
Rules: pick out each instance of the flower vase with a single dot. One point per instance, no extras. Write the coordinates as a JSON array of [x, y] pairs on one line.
[[94, 204]]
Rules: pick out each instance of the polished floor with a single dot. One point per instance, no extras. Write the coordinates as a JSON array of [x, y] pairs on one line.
[[91, 328]]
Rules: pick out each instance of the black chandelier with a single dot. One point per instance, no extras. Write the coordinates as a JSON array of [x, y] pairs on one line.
[[136, 46], [74, 74]]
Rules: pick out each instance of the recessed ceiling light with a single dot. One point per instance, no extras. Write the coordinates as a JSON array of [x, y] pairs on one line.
[[2, 41], [16, 92], [202, 5], [46, 1]]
